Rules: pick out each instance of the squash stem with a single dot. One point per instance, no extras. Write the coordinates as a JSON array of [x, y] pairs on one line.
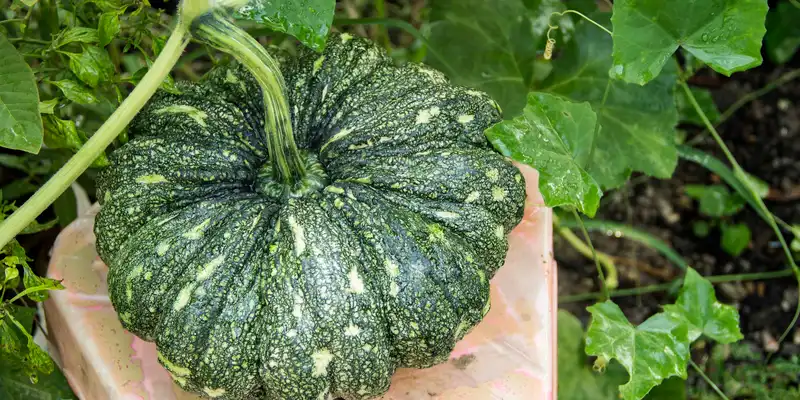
[[110, 129], [215, 29]]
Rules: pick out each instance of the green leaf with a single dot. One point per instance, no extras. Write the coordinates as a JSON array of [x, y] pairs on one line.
[[78, 34], [735, 238], [701, 228], [93, 66], [724, 34], [15, 384], [11, 277], [671, 389], [555, 136], [35, 227], [492, 45], [655, 350], [706, 101], [66, 207], [18, 188], [48, 106], [20, 123], [637, 124], [9, 339], [576, 379], [76, 92], [715, 200], [783, 32], [108, 27], [698, 304], [307, 20], [41, 284], [24, 315], [62, 134]]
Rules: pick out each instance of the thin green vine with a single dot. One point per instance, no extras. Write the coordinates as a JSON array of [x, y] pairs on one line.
[[707, 379], [740, 174], [675, 284]]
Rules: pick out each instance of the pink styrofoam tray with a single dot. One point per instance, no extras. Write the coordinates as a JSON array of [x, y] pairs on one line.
[[510, 355]]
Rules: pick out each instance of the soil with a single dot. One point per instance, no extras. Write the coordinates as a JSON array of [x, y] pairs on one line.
[[764, 136]]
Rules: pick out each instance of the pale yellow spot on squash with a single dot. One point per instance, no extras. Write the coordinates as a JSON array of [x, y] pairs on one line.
[[214, 393], [198, 231], [493, 174], [148, 179], [346, 37], [472, 197], [318, 64], [298, 233], [392, 268], [322, 359], [435, 233], [342, 133], [209, 268], [356, 284], [466, 118], [394, 289], [135, 272], [498, 193], [334, 189], [447, 214], [162, 248], [425, 116], [499, 231], [183, 297], [352, 330], [172, 368]]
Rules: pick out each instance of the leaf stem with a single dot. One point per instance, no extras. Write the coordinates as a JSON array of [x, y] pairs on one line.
[[383, 31], [742, 176], [707, 379], [625, 231], [123, 115], [562, 13], [589, 252], [787, 77], [215, 29], [662, 287]]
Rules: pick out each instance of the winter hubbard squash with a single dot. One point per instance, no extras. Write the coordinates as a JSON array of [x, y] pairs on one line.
[[379, 257]]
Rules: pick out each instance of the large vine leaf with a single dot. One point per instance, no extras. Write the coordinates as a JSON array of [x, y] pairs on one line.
[[651, 352], [725, 34], [492, 45], [307, 20], [698, 304], [783, 32], [20, 123], [556, 137], [637, 123], [576, 380]]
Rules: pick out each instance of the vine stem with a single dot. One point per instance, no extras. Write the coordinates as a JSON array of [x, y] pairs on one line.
[[707, 379], [121, 117], [662, 287], [588, 251], [217, 31], [747, 184]]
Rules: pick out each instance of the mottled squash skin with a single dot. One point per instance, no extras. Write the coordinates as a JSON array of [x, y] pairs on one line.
[[381, 259]]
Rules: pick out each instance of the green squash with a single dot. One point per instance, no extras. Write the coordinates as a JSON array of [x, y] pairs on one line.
[[379, 258]]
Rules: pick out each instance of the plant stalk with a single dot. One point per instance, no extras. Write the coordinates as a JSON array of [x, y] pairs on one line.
[[217, 31], [121, 117], [739, 173]]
